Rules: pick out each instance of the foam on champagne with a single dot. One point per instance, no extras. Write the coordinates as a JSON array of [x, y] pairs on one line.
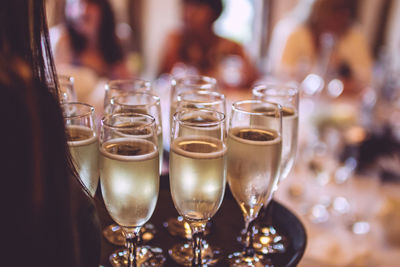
[[80, 135], [129, 149], [198, 148], [255, 136], [129, 179]]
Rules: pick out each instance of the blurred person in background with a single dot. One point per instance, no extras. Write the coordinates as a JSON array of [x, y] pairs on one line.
[[89, 39], [196, 49], [87, 47], [324, 38], [49, 218]]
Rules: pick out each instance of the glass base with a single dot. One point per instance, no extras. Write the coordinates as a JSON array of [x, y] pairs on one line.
[[147, 257], [267, 240], [113, 234], [177, 226], [182, 253], [238, 259]]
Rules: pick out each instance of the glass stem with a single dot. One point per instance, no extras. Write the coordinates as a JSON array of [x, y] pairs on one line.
[[132, 237], [248, 242], [268, 213], [197, 240]]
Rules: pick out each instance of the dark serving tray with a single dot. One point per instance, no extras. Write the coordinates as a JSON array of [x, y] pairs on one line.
[[225, 227]]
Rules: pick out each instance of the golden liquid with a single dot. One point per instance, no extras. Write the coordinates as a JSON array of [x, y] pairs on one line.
[[290, 124], [83, 145], [197, 176], [129, 178], [254, 157], [289, 136]]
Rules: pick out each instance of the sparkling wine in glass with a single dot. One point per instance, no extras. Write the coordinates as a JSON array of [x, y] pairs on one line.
[[177, 226], [113, 232], [144, 103], [254, 158], [196, 99], [197, 172], [287, 96], [82, 142], [129, 178]]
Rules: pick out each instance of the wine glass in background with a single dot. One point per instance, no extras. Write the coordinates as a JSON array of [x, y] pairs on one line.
[[177, 226], [201, 99], [82, 142], [117, 87], [254, 160], [266, 238], [113, 232], [195, 99], [189, 83], [144, 103], [129, 179], [67, 89], [197, 173]]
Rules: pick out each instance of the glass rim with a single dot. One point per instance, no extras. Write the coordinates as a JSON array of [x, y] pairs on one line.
[[106, 124], [156, 102], [279, 90], [113, 83], [235, 106], [202, 124], [89, 112], [180, 96]]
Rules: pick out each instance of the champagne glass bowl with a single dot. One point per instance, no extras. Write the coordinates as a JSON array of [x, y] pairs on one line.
[[197, 173], [129, 178], [254, 158]]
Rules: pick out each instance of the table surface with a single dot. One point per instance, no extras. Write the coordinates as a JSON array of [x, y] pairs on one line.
[[225, 227]]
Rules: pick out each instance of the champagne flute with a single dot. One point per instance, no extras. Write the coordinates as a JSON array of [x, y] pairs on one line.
[[117, 87], [196, 99], [144, 103], [129, 178], [197, 172], [177, 226], [201, 99], [189, 83], [67, 89], [267, 239], [82, 141], [254, 158], [113, 232]]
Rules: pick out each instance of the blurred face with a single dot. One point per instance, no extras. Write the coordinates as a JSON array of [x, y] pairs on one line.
[[197, 17], [84, 15]]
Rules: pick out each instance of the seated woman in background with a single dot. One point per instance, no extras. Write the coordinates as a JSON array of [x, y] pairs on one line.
[[86, 47], [49, 218], [89, 39], [196, 49], [328, 42]]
